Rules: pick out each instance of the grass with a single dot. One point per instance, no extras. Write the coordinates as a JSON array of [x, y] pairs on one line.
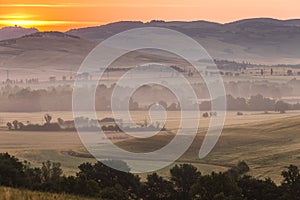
[[41, 146], [17, 194], [69, 162]]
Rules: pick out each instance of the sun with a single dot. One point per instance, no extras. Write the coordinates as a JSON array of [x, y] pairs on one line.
[[23, 23], [23, 20], [26, 21]]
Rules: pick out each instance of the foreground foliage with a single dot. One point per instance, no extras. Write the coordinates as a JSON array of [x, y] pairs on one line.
[[186, 182]]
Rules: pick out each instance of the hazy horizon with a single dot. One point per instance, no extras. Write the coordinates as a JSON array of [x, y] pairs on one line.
[[167, 21], [63, 15]]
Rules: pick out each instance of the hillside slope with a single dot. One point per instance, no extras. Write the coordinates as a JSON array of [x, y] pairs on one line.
[[44, 51], [15, 32], [266, 146], [261, 40]]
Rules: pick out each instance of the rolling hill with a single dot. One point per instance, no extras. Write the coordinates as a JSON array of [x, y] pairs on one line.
[[261, 40], [268, 147], [7, 33], [51, 51]]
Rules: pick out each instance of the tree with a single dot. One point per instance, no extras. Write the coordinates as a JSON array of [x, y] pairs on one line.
[[281, 107], [9, 125], [115, 193], [262, 72], [157, 188], [51, 176], [11, 171], [205, 115], [163, 104], [16, 123], [108, 177], [48, 118], [289, 72], [258, 102], [21, 125], [216, 186], [258, 189], [33, 178], [291, 182], [173, 107], [183, 177], [80, 185], [240, 169], [60, 121]]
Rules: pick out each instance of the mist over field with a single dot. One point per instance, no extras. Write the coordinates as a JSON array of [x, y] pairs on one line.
[[258, 41]]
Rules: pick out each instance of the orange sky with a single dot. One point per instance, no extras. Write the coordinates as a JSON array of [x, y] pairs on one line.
[[65, 14]]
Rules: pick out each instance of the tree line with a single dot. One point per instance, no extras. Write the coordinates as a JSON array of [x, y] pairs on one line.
[[185, 182], [84, 124], [27, 100]]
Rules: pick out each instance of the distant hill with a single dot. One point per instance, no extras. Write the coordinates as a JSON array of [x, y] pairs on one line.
[[40, 51], [261, 40], [15, 32]]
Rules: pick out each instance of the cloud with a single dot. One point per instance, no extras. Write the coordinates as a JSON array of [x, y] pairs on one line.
[[39, 5], [71, 5], [40, 22], [17, 16]]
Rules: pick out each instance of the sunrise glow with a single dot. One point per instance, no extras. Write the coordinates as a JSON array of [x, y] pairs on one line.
[[29, 23], [63, 15]]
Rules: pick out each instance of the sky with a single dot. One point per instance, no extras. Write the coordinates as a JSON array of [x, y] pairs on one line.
[[62, 15]]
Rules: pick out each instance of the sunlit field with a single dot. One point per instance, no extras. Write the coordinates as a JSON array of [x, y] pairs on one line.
[[267, 142], [138, 116]]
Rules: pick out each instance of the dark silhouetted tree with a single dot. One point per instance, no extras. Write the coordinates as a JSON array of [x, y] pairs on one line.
[[291, 182], [15, 123], [11, 171], [183, 177], [216, 186], [258, 189], [48, 118], [9, 125], [115, 193], [281, 107], [157, 188]]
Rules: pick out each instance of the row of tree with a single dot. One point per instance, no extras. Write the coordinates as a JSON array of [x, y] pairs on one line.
[[16, 99], [185, 182], [84, 124], [259, 103]]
